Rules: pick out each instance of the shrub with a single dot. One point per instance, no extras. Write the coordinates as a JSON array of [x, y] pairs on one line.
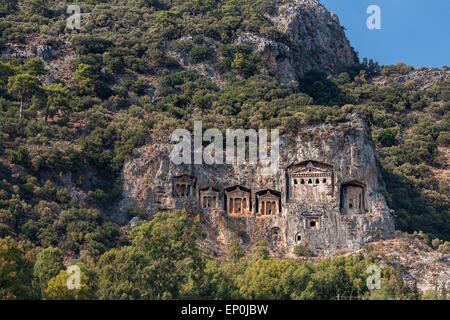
[[444, 248], [303, 251], [8, 7], [444, 139], [4, 230], [5, 172], [38, 7], [235, 251], [136, 212], [89, 44], [398, 69], [21, 156], [243, 65], [200, 53], [386, 137], [181, 45], [35, 66]]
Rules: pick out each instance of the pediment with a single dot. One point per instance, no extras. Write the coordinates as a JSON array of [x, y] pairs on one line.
[[306, 166], [184, 178], [268, 196], [209, 192], [237, 193], [311, 169]]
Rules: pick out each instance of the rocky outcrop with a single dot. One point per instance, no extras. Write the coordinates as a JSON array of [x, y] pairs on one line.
[[43, 51], [421, 79], [326, 194], [419, 264], [316, 40], [309, 38]]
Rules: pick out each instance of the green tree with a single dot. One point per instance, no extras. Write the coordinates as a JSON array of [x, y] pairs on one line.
[[15, 271], [386, 137], [6, 70], [23, 86], [200, 54], [58, 290], [120, 274], [164, 261], [38, 7], [241, 64], [84, 79], [35, 66], [261, 279], [303, 251], [8, 7], [322, 89], [57, 97], [175, 262], [21, 156], [261, 250], [235, 251], [48, 265]]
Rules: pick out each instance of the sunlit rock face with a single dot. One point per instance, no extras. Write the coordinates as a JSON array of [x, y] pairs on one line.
[[305, 36], [326, 194], [314, 40]]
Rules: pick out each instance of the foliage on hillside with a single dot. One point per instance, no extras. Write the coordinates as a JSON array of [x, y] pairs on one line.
[[163, 261], [63, 142]]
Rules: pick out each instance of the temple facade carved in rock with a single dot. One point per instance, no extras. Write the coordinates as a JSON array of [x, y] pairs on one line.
[[238, 201], [308, 183], [309, 191], [326, 194], [311, 182]]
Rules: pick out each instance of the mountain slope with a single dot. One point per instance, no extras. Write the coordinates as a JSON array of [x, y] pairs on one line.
[[76, 105]]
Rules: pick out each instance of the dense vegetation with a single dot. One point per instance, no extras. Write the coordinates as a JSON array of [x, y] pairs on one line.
[[63, 142], [163, 261]]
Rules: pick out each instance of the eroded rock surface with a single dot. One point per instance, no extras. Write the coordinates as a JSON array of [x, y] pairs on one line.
[[316, 40], [418, 263], [326, 194], [309, 38], [418, 80]]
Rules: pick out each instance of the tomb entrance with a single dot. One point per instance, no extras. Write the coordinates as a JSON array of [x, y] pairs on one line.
[[209, 198], [238, 201], [310, 182], [184, 186], [268, 202], [352, 199]]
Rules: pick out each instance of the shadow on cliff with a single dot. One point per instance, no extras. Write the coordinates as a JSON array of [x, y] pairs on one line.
[[412, 211], [324, 91]]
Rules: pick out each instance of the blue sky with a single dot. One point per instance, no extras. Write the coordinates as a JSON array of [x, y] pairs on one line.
[[416, 32]]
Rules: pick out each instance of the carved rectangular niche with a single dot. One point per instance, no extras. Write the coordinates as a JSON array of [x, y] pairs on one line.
[[353, 198], [312, 223], [311, 182], [275, 236], [268, 202], [238, 201], [183, 186], [209, 198]]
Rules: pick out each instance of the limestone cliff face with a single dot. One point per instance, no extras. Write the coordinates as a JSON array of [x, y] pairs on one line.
[[316, 40], [313, 39], [418, 80], [326, 194]]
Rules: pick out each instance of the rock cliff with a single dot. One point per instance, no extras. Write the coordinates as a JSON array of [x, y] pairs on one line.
[[326, 194], [308, 37], [316, 40], [312, 39], [419, 80]]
